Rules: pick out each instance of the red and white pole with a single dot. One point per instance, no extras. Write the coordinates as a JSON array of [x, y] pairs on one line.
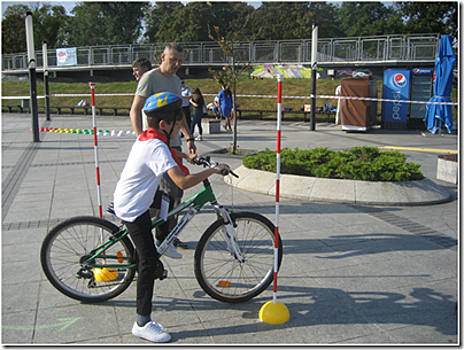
[[95, 147], [274, 312], [277, 208]]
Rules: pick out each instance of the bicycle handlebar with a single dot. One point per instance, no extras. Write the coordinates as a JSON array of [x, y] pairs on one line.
[[206, 162]]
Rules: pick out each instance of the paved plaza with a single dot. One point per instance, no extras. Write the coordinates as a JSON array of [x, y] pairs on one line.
[[351, 273]]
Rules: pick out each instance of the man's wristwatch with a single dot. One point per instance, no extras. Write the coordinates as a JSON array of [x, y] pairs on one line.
[[191, 139]]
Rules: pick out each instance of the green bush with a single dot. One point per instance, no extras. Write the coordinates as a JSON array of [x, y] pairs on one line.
[[358, 163]]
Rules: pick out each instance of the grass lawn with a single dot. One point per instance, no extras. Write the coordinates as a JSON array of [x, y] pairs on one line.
[[290, 87]]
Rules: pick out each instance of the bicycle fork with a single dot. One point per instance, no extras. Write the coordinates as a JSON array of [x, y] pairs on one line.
[[228, 232]]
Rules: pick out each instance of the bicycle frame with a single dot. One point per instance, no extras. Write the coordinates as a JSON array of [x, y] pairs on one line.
[[195, 203]]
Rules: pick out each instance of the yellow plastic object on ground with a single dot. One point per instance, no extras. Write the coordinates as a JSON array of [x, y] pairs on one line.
[[105, 274], [274, 313]]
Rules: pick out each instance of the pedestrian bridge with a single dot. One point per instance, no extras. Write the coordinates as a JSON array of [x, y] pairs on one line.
[[381, 51]]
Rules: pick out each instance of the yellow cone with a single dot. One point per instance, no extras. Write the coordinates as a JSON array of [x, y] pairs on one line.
[[274, 313], [105, 274]]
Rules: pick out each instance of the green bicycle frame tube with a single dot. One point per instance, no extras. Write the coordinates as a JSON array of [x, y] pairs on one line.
[[197, 201]]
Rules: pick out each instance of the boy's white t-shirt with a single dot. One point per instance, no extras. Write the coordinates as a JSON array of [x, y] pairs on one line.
[[136, 188]]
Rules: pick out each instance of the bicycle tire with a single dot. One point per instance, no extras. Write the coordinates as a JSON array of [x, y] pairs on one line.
[[221, 275], [68, 244]]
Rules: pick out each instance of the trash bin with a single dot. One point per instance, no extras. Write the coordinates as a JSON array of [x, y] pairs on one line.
[[25, 103], [358, 115]]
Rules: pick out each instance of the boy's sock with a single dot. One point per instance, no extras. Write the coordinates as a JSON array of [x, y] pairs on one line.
[[143, 320]]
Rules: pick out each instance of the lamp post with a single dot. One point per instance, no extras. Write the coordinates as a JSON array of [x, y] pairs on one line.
[[32, 77], [313, 77], [45, 74]]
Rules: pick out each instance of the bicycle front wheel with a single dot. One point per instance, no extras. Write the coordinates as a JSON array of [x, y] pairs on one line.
[[68, 246], [221, 275]]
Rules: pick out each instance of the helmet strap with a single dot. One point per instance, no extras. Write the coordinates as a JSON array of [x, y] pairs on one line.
[[168, 135], [170, 132]]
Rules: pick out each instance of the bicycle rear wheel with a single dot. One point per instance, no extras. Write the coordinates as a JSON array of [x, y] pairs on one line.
[[68, 245], [221, 275]]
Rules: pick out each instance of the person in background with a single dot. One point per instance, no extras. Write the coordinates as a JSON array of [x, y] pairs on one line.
[[198, 102], [164, 79], [186, 94], [217, 107], [139, 67], [225, 101]]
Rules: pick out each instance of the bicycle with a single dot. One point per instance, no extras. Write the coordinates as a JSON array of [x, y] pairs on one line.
[[91, 259]]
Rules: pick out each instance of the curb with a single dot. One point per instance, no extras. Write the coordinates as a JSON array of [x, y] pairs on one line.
[[311, 189]]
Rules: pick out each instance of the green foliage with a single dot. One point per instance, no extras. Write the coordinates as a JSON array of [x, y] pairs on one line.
[[13, 29], [106, 23], [48, 25], [369, 18], [358, 163], [430, 17]]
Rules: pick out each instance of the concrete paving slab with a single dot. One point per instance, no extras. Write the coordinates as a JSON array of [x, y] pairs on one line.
[[410, 335], [76, 323], [18, 327]]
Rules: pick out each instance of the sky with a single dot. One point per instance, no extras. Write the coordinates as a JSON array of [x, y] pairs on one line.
[[68, 5]]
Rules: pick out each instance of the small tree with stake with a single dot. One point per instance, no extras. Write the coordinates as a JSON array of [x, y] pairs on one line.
[[230, 73]]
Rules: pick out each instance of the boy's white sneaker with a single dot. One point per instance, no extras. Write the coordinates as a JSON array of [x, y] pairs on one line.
[[152, 331], [171, 252]]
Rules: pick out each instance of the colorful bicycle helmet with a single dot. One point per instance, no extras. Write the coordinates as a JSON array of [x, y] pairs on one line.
[[162, 102]]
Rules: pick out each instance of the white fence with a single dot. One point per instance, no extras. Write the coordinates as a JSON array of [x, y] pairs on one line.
[[405, 48]]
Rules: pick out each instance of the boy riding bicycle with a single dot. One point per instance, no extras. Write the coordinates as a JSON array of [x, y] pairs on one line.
[[149, 158]]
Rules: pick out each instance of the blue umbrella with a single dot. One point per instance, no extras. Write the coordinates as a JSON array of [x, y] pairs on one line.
[[439, 115]]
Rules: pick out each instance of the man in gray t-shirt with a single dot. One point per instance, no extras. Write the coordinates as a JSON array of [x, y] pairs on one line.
[[163, 79], [154, 82]]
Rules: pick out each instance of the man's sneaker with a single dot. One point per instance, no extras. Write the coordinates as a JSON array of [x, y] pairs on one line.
[[179, 244], [171, 252], [152, 331], [199, 138]]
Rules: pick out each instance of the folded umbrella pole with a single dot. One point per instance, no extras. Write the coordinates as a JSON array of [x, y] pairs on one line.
[[438, 115]]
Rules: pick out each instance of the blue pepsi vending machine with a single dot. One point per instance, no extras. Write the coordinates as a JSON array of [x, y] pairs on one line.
[[396, 87]]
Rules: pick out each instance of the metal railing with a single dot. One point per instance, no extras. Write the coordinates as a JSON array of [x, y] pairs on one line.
[[406, 48]]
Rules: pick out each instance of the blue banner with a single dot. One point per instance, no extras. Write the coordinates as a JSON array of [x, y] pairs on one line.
[[66, 57]]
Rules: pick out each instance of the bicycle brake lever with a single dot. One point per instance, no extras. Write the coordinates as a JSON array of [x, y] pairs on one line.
[[225, 172]]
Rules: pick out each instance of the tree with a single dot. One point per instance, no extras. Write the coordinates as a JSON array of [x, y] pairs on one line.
[[124, 20], [49, 25], [430, 17], [368, 18], [157, 18], [172, 21], [14, 29], [284, 20], [106, 23], [87, 26], [193, 22], [326, 16], [294, 20], [228, 41]]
